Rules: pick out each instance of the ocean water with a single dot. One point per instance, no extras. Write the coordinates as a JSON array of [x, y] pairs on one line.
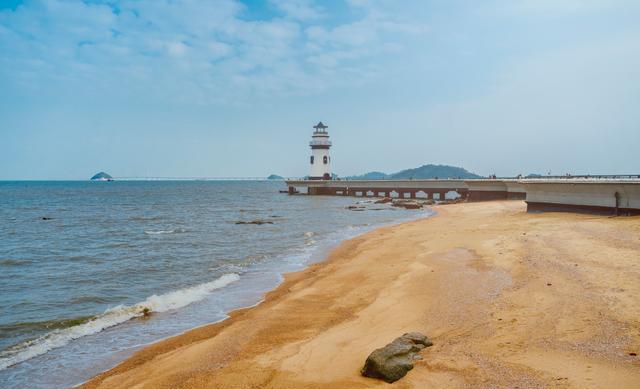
[[81, 262]]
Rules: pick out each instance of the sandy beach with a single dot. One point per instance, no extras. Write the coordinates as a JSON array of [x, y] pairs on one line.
[[509, 299]]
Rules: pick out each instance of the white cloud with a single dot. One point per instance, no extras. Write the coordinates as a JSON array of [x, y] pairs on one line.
[[208, 49]]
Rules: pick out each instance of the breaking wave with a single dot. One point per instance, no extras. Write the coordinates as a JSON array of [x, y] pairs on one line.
[[111, 317]]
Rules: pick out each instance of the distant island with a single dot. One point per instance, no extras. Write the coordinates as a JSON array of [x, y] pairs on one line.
[[275, 177], [102, 176], [422, 172]]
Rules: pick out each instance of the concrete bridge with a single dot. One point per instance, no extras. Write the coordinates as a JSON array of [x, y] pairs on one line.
[[585, 194]]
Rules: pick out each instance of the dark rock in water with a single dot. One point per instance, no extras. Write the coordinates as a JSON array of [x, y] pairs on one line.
[[393, 361], [355, 207], [102, 176], [258, 222], [46, 218], [384, 200]]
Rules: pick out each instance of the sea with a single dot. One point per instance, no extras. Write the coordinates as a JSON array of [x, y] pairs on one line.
[[90, 272]]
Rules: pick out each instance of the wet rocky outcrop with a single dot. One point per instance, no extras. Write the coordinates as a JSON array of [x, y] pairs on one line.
[[393, 361], [407, 204]]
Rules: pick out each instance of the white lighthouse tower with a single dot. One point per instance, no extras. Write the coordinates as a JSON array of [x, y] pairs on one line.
[[320, 159]]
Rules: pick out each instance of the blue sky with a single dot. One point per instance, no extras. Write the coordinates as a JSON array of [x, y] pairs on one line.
[[226, 88]]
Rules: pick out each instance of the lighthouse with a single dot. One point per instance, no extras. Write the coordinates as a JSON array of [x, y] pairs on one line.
[[320, 159]]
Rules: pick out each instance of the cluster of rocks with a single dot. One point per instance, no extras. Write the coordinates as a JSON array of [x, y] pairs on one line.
[[411, 203], [393, 361], [400, 203], [452, 201]]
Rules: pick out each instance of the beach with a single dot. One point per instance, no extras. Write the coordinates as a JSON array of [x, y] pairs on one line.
[[509, 298]]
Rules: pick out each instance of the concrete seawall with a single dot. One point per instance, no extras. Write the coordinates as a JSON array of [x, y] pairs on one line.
[[608, 197], [594, 195]]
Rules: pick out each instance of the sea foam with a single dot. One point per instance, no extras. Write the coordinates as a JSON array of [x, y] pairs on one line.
[[112, 317]]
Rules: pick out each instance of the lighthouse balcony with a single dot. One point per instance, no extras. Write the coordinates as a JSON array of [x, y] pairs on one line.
[[320, 143]]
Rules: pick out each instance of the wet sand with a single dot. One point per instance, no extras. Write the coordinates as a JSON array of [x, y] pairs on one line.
[[510, 299]]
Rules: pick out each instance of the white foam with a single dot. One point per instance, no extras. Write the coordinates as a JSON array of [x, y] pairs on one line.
[[112, 317]]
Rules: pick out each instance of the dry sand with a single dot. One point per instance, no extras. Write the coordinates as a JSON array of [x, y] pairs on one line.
[[510, 299]]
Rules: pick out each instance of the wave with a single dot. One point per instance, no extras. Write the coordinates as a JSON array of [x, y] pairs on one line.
[[111, 317], [43, 325], [160, 232]]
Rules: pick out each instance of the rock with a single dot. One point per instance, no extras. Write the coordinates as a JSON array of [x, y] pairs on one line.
[[355, 207], [258, 222], [384, 200], [407, 204], [393, 361], [46, 218]]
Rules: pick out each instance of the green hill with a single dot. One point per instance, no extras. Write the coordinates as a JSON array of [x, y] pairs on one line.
[[422, 172], [102, 176]]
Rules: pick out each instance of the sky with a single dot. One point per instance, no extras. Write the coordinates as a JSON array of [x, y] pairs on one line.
[[230, 88]]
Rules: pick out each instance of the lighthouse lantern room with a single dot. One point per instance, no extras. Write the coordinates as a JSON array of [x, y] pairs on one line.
[[320, 159]]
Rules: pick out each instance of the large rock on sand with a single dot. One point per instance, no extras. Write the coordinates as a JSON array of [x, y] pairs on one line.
[[393, 361]]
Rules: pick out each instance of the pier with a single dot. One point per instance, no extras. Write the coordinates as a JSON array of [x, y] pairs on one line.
[[429, 189], [619, 195]]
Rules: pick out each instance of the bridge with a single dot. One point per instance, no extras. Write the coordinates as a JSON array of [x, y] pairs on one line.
[[597, 194]]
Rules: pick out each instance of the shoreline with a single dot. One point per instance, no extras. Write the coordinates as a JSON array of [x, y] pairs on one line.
[[208, 330], [317, 327], [319, 256]]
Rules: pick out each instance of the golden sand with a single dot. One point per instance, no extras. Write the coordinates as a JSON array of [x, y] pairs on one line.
[[510, 299]]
